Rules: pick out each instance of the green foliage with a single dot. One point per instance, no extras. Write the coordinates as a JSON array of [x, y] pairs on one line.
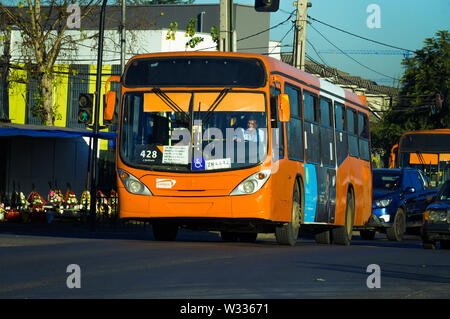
[[426, 75], [172, 31], [215, 35], [190, 32]]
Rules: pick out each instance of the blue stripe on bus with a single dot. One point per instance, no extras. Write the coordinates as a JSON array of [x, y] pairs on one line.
[[310, 193], [343, 160]]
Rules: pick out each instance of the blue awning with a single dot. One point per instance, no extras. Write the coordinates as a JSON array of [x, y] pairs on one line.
[[11, 129]]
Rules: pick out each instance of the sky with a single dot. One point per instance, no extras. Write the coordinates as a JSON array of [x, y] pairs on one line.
[[400, 23]]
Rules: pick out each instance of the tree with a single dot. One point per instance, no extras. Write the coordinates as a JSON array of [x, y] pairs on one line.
[[43, 26], [423, 101]]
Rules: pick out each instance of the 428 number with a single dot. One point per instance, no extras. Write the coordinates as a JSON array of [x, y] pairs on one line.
[[149, 154]]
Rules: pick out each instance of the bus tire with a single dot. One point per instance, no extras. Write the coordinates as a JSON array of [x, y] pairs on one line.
[[342, 235], [288, 233], [395, 233], [165, 231]]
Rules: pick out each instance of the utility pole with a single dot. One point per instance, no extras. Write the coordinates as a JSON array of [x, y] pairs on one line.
[[226, 26], [98, 83], [4, 76], [300, 34], [122, 37]]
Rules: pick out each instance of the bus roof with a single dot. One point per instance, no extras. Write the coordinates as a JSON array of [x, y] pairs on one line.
[[426, 141], [273, 67], [435, 131]]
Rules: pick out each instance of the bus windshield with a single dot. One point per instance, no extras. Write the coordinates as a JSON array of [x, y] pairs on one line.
[[195, 72], [193, 131], [429, 152]]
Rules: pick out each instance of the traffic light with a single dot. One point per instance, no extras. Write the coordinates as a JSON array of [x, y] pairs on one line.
[[267, 5], [85, 106]]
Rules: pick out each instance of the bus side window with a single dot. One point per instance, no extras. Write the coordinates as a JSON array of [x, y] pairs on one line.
[[326, 132], [363, 133], [277, 126], [341, 135], [352, 130], [311, 129], [294, 128], [274, 92]]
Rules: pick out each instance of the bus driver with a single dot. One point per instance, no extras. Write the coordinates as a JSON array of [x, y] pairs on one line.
[[252, 133]]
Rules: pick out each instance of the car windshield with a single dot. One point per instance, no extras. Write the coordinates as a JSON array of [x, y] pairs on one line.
[[444, 194], [193, 131], [386, 181]]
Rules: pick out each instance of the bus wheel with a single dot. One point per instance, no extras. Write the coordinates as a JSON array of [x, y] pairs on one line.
[[342, 235], [165, 231], [229, 236], [288, 233], [395, 233]]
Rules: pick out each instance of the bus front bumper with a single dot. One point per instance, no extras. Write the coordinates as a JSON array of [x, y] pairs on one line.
[[254, 206]]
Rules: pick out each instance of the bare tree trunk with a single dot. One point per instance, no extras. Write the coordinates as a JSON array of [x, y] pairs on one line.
[[46, 88]]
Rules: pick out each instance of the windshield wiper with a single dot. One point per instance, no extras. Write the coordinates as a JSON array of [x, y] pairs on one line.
[[215, 104], [170, 103]]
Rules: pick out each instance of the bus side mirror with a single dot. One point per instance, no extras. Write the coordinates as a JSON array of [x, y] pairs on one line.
[[110, 106], [109, 101], [284, 108]]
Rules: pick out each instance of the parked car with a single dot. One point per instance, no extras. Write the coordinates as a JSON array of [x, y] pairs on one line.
[[399, 199], [436, 220]]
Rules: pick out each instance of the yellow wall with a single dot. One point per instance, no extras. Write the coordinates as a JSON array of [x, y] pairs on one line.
[[60, 92], [17, 96], [18, 93]]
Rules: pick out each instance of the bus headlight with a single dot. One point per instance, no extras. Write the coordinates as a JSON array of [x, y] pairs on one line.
[[252, 183], [132, 184]]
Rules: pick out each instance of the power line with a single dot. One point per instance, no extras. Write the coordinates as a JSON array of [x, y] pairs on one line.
[[309, 42], [268, 29], [255, 34], [285, 35], [361, 37], [350, 57], [367, 52]]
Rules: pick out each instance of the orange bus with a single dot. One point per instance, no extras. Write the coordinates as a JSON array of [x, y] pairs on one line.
[[240, 144], [428, 150]]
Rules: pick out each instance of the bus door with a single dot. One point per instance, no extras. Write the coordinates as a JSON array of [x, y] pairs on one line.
[[320, 165]]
